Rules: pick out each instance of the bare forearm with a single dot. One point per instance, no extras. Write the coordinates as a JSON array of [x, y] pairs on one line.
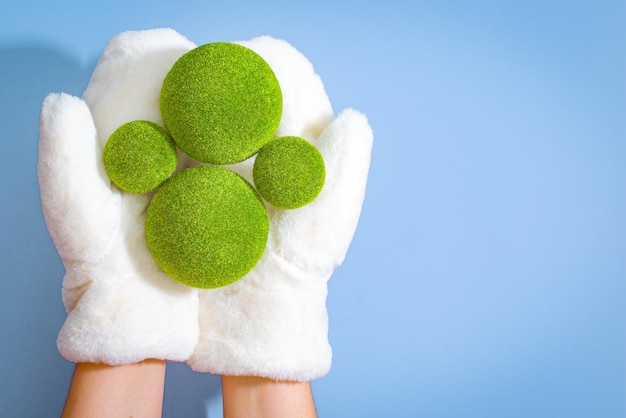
[[256, 397], [99, 390]]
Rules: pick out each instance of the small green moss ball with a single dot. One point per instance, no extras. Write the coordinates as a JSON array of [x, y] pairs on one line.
[[139, 156], [221, 102], [289, 172], [206, 227]]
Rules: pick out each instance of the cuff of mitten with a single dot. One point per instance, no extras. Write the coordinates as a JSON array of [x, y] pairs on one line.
[[273, 326], [121, 322]]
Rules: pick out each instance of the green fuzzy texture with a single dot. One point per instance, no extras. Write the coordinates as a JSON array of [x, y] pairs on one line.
[[289, 172], [221, 102], [206, 227], [139, 156]]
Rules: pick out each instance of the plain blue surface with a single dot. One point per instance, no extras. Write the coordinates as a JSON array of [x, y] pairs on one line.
[[487, 276]]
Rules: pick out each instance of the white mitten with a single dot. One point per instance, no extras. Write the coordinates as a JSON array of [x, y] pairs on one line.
[[273, 323], [121, 307]]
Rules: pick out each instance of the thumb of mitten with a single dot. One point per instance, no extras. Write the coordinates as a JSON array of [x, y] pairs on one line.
[[317, 236], [75, 191]]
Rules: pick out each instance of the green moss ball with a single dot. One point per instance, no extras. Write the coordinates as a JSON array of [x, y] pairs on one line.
[[139, 156], [206, 227], [289, 172], [221, 102]]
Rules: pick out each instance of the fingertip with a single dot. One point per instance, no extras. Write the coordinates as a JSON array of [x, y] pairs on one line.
[[346, 140], [63, 118], [356, 123]]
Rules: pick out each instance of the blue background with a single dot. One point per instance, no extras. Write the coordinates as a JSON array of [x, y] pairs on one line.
[[487, 276]]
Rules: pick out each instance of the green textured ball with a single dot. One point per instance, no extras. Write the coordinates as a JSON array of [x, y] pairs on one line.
[[206, 227], [289, 172], [139, 156], [221, 102]]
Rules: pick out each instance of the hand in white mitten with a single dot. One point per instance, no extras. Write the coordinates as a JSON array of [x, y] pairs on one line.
[[121, 307], [273, 323]]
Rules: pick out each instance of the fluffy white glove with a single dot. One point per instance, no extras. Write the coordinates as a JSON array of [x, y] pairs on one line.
[[273, 322], [121, 307]]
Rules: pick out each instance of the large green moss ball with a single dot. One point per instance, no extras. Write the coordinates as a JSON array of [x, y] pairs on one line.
[[221, 102], [206, 227], [289, 172], [139, 156]]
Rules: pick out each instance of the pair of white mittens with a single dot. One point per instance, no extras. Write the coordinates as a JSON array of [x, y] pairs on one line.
[[121, 307]]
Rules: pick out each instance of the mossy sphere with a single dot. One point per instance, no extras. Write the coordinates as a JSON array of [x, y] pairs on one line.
[[221, 102], [206, 227], [139, 156], [289, 172]]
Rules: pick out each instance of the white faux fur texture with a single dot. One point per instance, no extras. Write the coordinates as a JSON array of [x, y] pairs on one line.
[[121, 307], [273, 322]]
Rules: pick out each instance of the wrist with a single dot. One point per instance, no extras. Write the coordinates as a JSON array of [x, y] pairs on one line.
[[257, 397], [100, 390]]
